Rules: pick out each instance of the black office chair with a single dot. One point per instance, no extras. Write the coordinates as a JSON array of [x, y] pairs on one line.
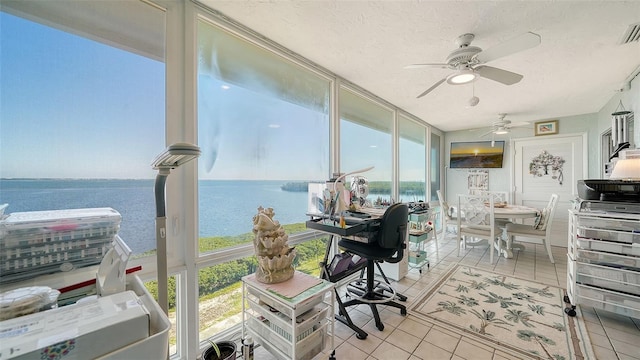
[[389, 246]]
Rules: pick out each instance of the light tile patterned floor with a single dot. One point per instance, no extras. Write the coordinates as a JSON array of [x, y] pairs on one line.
[[612, 336]]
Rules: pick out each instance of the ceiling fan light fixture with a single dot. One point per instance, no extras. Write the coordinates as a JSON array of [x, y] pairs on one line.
[[462, 77], [501, 131]]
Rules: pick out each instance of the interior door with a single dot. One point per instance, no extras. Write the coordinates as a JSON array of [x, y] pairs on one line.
[[545, 165]]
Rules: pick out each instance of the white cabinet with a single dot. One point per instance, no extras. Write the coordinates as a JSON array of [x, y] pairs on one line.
[[297, 327], [603, 269]]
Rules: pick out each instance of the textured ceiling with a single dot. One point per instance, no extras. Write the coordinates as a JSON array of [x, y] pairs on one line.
[[576, 69]]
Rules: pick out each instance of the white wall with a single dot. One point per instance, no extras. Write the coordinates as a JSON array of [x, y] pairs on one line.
[[593, 124], [499, 179]]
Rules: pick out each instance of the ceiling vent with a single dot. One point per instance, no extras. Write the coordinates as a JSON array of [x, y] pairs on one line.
[[631, 34]]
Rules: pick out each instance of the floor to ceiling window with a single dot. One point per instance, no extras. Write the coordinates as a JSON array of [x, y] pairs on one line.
[[82, 114], [365, 141], [411, 160], [435, 163], [263, 127], [85, 110]]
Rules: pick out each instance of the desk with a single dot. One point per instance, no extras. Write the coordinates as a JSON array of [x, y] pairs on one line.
[[363, 230]]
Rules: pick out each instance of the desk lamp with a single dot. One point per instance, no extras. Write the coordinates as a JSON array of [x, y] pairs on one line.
[[626, 169], [172, 157]]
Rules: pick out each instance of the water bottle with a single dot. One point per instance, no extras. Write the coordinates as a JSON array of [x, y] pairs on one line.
[[247, 348]]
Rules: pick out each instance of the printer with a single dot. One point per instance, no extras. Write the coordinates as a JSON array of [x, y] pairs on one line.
[[609, 195]]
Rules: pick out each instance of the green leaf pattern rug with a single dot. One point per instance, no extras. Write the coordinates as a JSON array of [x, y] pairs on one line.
[[521, 316]]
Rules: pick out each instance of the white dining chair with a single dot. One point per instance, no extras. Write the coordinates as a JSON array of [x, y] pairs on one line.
[[446, 214], [476, 220], [541, 229], [499, 197]]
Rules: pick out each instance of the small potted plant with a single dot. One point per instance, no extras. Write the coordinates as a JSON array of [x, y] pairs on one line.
[[221, 350]]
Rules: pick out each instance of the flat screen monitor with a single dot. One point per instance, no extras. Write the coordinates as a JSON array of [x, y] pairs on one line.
[[476, 154]]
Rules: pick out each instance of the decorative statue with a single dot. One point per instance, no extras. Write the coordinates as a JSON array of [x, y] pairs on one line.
[[275, 257]]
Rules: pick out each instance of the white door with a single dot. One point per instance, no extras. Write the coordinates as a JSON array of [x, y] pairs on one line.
[[537, 175]]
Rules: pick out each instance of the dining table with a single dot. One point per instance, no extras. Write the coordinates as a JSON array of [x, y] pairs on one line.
[[507, 213], [512, 212]]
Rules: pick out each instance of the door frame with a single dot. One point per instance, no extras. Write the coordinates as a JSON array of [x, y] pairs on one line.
[[512, 145], [560, 221]]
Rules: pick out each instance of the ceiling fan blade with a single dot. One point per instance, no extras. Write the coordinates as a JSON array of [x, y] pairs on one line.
[[431, 88], [517, 44], [419, 66], [487, 133], [499, 75]]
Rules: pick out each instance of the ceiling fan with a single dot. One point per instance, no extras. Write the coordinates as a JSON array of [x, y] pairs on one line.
[[469, 61], [502, 126]]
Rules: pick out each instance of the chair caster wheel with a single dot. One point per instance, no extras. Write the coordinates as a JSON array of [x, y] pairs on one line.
[[361, 336], [381, 327], [403, 312], [570, 311], [566, 299], [420, 271]]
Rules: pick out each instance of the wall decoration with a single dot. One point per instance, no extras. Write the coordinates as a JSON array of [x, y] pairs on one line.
[[546, 127], [547, 164], [478, 181]]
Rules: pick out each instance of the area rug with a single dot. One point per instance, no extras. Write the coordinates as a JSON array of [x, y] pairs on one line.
[[521, 317]]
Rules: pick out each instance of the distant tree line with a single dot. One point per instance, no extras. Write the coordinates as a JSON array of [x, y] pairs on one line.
[[376, 187], [221, 276]]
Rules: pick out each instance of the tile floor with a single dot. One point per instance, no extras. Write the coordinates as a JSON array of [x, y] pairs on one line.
[[612, 336]]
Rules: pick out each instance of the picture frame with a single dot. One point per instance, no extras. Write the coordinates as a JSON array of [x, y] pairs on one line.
[[549, 127]]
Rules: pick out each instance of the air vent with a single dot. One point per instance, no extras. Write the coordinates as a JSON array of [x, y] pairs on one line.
[[631, 34]]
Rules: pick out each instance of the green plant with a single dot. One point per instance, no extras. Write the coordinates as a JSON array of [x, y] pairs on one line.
[[215, 348]]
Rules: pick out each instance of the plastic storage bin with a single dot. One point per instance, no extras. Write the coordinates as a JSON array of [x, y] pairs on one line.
[[306, 348], [43, 242], [609, 278], [594, 257], [607, 246], [302, 307], [610, 235], [619, 303], [281, 324], [609, 223]]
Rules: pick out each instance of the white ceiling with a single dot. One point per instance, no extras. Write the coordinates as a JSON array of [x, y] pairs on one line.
[[576, 69]]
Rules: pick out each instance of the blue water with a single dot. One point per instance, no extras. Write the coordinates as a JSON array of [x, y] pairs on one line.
[[226, 207]]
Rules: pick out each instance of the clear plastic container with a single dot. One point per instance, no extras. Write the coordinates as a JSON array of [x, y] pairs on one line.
[[594, 257], [43, 242], [609, 278], [27, 300], [610, 235], [607, 246], [602, 221], [623, 304]]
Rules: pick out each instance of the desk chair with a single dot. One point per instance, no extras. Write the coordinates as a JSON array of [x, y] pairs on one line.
[[476, 219], [389, 246], [541, 229]]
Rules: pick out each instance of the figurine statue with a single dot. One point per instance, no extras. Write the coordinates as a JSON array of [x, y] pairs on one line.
[[275, 257]]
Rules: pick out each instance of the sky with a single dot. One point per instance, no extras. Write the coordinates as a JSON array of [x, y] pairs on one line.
[[75, 108]]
